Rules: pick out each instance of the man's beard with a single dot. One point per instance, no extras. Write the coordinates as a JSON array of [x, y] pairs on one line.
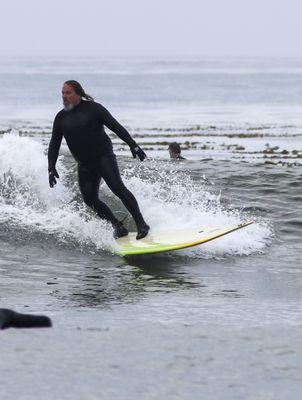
[[68, 107]]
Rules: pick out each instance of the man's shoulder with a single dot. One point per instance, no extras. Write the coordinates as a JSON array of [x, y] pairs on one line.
[[60, 114], [93, 104], [96, 108], [89, 106], [89, 103]]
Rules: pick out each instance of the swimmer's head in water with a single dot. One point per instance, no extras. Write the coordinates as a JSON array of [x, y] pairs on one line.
[[174, 150]]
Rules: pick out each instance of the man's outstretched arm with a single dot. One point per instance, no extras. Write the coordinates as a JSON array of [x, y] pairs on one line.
[[120, 131]]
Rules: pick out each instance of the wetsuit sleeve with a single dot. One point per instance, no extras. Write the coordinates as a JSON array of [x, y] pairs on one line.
[[54, 145], [108, 120]]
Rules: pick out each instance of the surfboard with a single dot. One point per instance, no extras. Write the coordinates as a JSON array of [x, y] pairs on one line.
[[158, 242]]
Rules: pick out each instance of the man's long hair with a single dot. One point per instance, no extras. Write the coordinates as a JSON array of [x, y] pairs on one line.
[[77, 87]]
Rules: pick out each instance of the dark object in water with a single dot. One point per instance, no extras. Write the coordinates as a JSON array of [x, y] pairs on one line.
[[12, 319]]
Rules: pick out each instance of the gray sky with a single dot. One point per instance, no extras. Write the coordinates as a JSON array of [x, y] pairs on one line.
[[151, 27]]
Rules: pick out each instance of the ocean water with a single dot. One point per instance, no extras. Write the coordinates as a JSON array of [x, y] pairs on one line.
[[218, 321]]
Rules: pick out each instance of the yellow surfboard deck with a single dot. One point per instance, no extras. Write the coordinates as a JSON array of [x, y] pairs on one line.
[[158, 242]]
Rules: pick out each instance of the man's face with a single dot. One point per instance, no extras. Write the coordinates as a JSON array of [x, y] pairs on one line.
[[69, 96]]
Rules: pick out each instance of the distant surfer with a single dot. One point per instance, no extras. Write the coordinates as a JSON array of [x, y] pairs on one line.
[[175, 151], [81, 122]]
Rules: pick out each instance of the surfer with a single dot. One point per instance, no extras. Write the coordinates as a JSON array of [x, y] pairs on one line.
[[174, 151], [81, 122]]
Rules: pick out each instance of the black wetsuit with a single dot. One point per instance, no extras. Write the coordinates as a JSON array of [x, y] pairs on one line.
[[83, 130]]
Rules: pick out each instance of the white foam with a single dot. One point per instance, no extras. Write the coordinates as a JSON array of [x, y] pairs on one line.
[[27, 201], [169, 199], [173, 201]]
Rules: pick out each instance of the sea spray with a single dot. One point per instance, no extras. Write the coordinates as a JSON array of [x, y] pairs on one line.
[[27, 202], [168, 197], [171, 200]]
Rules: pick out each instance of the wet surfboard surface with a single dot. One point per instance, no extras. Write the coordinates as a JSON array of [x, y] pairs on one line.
[[163, 241]]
